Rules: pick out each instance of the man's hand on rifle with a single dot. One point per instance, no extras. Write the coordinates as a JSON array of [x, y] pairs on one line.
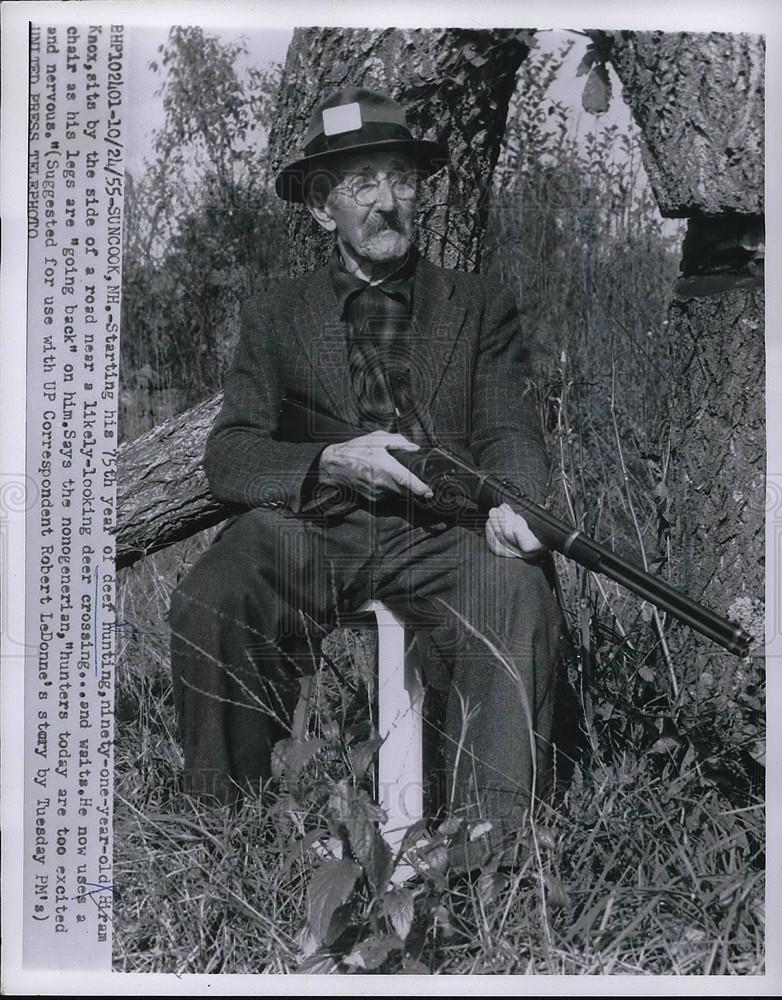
[[365, 463], [509, 535]]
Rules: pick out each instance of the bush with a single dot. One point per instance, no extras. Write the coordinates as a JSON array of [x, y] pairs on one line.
[[203, 228]]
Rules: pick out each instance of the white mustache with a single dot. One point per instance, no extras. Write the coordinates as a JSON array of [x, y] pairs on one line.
[[381, 223]]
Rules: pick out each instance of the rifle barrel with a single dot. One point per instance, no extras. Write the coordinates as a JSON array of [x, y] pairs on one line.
[[448, 473], [440, 469]]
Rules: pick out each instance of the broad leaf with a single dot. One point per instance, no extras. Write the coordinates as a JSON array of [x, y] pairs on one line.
[[666, 744], [450, 826], [358, 816], [363, 754], [299, 848], [479, 829], [556, 894], [414, 835], [378, 864], [413, 967], [329, 888], [436, 857], [546, 838], [489, 886], [597, 90], [290, 757], [370, 849], [318, 964], [344, 799], [587, 60], [399, 905], [371, 954], [340, 920], [362, 730]]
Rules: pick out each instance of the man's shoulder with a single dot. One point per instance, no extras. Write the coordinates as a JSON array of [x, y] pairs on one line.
[[282, 291], [465, 284]]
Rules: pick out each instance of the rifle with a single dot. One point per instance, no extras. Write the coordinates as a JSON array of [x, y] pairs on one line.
[[451, 477]]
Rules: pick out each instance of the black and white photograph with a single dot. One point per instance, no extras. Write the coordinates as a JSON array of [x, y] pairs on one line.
[[399, 519]]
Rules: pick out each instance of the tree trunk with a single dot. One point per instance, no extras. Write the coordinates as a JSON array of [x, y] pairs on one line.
[[455, 86], [162, 492], [698, 100], [718, 451]]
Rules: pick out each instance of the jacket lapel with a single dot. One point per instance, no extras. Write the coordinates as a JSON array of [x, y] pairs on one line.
[[321, 336], [438, 318]]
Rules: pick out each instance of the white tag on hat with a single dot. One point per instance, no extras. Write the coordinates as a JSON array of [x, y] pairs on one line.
[[343, 118]]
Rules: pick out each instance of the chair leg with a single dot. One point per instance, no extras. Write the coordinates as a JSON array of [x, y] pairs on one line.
[[400, 696], [400, 706]]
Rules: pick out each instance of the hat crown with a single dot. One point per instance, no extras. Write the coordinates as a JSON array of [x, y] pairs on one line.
[[357, 120], [352, 108]]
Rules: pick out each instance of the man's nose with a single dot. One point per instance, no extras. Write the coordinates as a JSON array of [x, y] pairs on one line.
[[384, 200]]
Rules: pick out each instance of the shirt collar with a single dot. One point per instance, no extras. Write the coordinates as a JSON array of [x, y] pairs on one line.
[[398, 284]]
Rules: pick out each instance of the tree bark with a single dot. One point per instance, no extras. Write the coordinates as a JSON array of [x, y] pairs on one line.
[[455, 85], [162, 492], [698, 100], [718, 452]]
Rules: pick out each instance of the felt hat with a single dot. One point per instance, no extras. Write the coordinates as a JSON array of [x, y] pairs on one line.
[[355, 120]]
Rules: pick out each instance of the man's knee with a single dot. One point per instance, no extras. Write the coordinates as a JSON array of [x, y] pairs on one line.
[[206, 588], [528, 589], [508, 594], [226, 571]]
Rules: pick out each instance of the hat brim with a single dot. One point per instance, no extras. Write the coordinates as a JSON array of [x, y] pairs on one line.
[[429, 157]]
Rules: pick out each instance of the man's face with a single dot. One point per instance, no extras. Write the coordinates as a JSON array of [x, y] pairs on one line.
[[372, 204]]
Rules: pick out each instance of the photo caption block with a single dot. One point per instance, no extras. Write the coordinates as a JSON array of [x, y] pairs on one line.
[[75, 188]]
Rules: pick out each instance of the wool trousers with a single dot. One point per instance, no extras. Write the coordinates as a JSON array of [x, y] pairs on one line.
[[244, 620]]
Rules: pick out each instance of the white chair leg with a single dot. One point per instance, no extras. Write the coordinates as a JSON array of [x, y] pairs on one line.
[[400, 705]]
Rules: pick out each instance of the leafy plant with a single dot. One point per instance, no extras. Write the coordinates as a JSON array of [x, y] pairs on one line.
[[596, 96], [370, 907], [203, 228]]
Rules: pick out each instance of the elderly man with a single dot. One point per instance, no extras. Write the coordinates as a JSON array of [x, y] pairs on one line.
[[408, 354]]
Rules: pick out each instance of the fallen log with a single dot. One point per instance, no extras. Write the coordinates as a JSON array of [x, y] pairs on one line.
[[162, 492]]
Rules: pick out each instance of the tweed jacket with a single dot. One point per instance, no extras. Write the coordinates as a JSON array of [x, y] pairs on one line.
[[469, 365]]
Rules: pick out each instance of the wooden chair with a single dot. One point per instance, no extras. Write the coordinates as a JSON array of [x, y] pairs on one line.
[[400, 705]]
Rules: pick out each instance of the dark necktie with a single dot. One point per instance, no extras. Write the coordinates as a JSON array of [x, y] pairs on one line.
[[381, 358], [381, 355]]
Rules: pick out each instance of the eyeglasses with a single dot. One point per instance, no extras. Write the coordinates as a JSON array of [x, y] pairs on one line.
[[363, 188]]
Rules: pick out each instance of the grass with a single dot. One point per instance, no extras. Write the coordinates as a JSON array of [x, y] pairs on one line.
[[643, 865]]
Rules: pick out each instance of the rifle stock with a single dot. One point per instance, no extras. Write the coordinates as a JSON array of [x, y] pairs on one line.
[[452, 479]]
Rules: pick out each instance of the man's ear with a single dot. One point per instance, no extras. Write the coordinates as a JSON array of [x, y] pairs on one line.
[[322, 216]]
